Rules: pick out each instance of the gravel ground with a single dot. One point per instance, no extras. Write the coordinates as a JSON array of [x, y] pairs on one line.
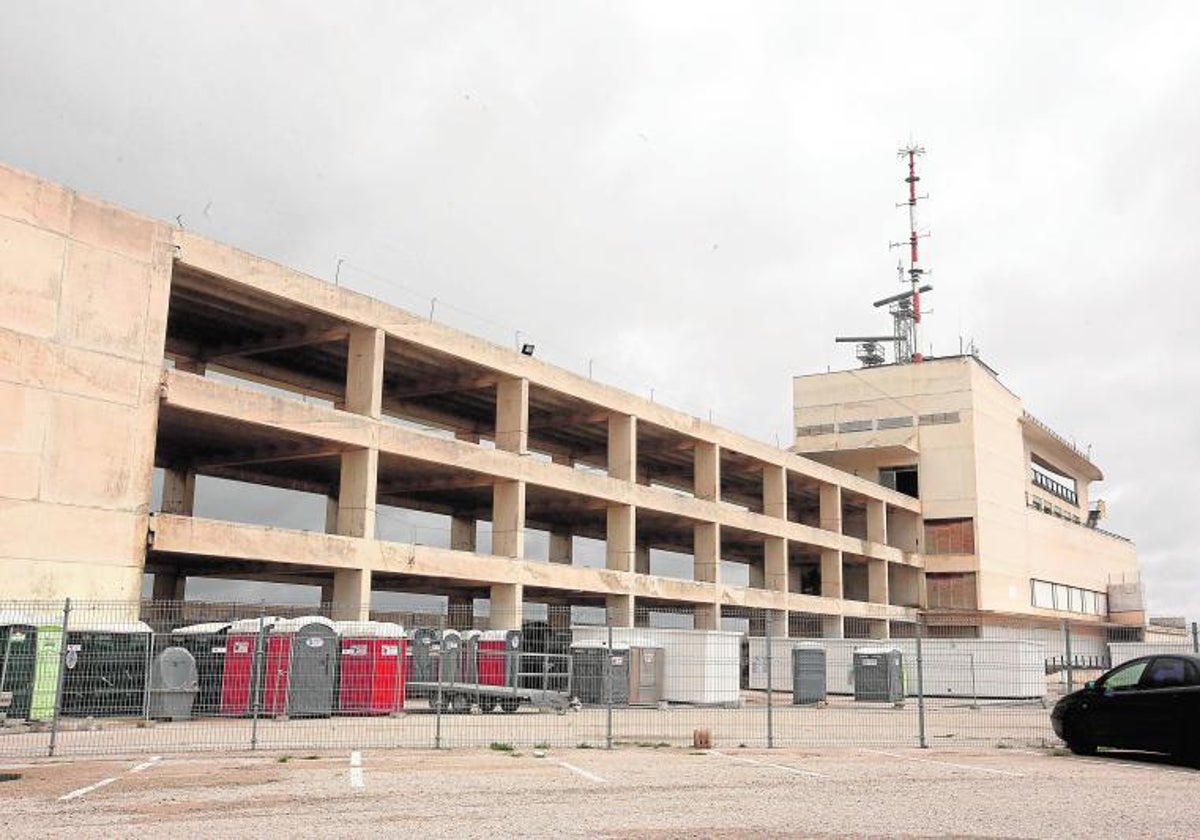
[[632, 791]]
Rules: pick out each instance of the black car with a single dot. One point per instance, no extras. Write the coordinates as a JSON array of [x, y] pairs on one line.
[[1150, 703]]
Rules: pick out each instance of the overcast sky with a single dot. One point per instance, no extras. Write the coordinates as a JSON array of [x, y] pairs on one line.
[[693, 197]]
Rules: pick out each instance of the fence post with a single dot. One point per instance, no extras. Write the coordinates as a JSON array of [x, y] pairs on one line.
[[62, 670], [439, 698], [1066, 628], [1195, 637], [256, 678], [770, 687], [608, 685], [921, 739]]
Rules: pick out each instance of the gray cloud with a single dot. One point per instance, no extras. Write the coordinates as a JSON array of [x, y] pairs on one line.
[[694, 196]]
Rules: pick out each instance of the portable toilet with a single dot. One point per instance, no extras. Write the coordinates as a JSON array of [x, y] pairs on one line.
[[647, 675], [18, 664], [808, 675], [878, 675], [207, 644], [450, 657], [106, 667], [469, 655], [174, 684], [423, 643], [245, 646], [372, 667], [301, 669], [498, 656], [590, 663]]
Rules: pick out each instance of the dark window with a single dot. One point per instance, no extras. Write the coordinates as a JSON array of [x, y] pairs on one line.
[[901, 479], [1167, 672]]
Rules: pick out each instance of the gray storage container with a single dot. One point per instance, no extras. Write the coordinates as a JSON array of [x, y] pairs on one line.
[[646, 675], [878, 675], [808, 675], [425, 640], [590, 663], [174, 684]]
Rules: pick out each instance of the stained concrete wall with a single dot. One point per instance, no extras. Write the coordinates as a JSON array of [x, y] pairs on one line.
[[83, 306]]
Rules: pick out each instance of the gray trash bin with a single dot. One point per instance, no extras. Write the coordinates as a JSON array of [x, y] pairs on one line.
[[808, 675], [589, 673], [174, 684], [878, 675], [646, 675]]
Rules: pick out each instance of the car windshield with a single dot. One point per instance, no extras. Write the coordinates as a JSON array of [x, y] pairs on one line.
[[1125, 677]]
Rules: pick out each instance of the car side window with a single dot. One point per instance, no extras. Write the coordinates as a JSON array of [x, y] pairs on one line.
[[1166, 672], [1126, 677]]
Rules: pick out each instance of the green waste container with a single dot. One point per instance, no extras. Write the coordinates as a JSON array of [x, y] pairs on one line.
[[18, 663], [106, 668]]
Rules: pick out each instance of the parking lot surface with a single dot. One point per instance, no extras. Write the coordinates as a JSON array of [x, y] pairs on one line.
[[642, 791]]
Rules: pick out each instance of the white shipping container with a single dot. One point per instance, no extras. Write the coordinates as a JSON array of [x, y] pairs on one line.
[[702, 667], [969, 668]]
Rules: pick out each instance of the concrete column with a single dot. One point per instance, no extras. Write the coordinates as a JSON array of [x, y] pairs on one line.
[[831, 573], [505, 613], [707, 552], [364, 371], [877, 581], [620, 609], [879, 628], [622, 447], [331, 515], [326, 593], [512, 415], [707, 617], [831, 508], [775, 565], [775, 491], [558, 616], [757, 576], [641, 558], [877, 521], [351, 595], [463, 534], [169, 586], [356, 497], [179, 492], [619, 539], [777, 624], [508, 519], [460, 612], [708, 471], [833, 627], [561, 545]]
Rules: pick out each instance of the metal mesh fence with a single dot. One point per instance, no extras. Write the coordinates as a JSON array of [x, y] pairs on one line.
[[118, 678]]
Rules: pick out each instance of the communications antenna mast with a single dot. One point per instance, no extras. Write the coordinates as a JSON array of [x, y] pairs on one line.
[[905, 308]]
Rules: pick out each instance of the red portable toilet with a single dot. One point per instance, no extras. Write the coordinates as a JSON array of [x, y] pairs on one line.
[[373, 661], [499, 653], [301, 667], [237, 680]]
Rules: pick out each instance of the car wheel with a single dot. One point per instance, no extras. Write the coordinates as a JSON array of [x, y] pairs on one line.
[[1077, 742]]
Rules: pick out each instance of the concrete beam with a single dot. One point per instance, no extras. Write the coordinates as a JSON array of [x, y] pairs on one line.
[[448, 385], [274, 343]]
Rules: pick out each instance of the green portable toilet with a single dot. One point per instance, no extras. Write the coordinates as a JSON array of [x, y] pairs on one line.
[[45, 675], [18, 649], [106, 669]]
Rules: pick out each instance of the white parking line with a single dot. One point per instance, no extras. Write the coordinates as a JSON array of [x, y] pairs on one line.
[[947, 763], [75, 794], [786, 768], [356, 771], [83, 790], [590, 776]]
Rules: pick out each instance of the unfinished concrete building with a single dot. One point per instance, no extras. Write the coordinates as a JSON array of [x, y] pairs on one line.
[[127, 344]]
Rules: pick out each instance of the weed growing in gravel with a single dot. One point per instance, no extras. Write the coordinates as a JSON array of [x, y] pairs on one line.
[[500, 746], [583, 745], [283, 759], [542, 746]]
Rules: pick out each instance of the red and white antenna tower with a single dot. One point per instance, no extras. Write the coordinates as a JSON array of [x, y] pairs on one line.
[[905, 307]]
